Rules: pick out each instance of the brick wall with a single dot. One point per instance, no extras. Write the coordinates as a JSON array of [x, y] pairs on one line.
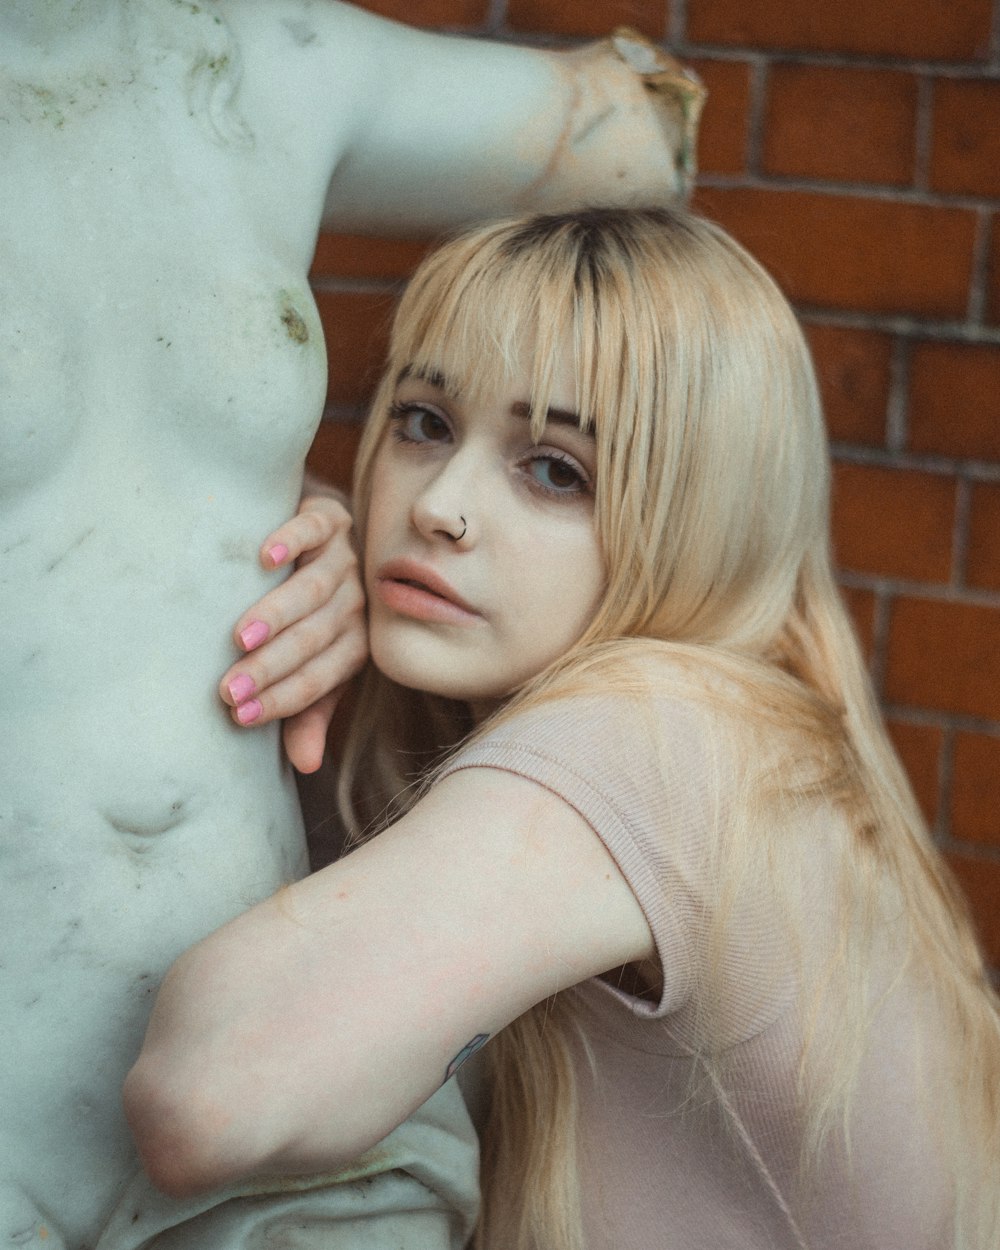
[[854, 148]]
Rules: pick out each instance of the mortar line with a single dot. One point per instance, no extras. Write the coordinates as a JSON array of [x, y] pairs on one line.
[[931, 592], [895, 193], [987, 69], [923, 132], [922, 462], [496, 15], [880, 641], [995, 34], [960, 532], [960, 722], [945, 772], [897, 409], [676, 17], [979, 278]]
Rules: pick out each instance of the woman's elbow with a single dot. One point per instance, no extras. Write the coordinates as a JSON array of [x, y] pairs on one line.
[[193, 1135], [187, 1140]]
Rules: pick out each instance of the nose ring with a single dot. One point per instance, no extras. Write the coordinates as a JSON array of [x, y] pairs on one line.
[[465, 526]]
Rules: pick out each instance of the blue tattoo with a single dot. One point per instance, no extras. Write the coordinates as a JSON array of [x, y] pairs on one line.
[[466, 1052]]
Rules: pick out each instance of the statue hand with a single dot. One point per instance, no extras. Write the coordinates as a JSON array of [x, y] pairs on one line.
[[305, 638], [677, 95]]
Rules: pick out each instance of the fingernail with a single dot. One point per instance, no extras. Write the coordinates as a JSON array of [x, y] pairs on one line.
[[277, 554], [241, 687], [247, 713], [253, 634]]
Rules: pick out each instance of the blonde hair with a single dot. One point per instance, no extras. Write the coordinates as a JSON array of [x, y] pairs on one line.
[[711, 509]]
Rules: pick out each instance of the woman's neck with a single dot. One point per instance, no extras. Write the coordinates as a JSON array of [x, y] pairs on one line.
[[483, 709]]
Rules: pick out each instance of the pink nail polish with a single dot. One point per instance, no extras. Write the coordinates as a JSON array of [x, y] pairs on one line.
[[241, 687], [277, 554], [247, 713], [254, 634]]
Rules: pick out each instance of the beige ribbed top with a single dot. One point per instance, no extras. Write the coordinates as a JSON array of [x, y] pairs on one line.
[[671, 1159]]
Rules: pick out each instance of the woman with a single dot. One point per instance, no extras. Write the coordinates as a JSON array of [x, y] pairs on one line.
[[639, 820]]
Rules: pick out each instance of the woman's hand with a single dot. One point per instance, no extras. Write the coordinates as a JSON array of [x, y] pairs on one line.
[[305, 638]]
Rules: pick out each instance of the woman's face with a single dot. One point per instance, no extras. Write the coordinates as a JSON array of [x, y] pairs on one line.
[[481, 560]]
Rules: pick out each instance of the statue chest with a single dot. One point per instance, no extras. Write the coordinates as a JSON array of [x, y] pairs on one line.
[[153, 296]]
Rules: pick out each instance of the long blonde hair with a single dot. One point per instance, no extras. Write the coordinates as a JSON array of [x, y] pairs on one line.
[[711, 509]]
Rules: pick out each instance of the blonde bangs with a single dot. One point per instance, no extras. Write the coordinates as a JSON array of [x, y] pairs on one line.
[[476, 311], [495, 302]]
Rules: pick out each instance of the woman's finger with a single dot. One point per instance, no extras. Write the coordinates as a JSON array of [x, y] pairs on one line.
[[296, 646], [291, 698], [297, 683], [319, 518], [304, 734], [302, 595]]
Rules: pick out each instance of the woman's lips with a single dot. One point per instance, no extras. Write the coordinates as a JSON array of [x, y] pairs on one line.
[[419, 592]]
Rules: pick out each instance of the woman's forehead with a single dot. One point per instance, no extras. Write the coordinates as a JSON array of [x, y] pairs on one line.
[[542, 386]]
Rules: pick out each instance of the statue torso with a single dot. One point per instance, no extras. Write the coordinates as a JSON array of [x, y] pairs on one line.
[[162, 370]]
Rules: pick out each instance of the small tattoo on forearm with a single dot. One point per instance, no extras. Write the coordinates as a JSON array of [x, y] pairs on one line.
[[467, 1051]]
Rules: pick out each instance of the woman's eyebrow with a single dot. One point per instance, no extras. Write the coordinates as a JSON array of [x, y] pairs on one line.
[[433, 377], [555, 416], [520, 408]]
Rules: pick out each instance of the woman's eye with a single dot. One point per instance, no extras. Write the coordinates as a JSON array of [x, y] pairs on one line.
[[556, 475], [413, 423]]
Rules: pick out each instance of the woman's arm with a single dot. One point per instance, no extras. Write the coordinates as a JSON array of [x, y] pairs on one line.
[[298, 1035]]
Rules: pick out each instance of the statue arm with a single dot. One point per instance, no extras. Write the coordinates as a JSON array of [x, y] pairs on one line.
[[444, 129]]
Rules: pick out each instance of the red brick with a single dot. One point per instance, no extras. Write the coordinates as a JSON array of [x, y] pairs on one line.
[[965, 143], [982, 566], [993, 309], [980, 882], [722, 135], [853, 369], [893, 522], [357, 330], [570, 17], [975, 788], [924, 29], [919, 750], [861, 609], [357, 256], [955, 400], [944, 656], [850, 125], [430, 12], [860, 254], [331, 456]]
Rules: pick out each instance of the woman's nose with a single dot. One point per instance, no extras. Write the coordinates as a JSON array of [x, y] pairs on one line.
[[444, 508]]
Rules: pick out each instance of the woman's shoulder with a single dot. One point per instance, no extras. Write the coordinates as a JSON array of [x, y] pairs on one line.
[[633, 745], [644, 707]]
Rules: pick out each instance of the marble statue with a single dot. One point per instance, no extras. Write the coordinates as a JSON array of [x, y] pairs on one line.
[[165, 166]]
